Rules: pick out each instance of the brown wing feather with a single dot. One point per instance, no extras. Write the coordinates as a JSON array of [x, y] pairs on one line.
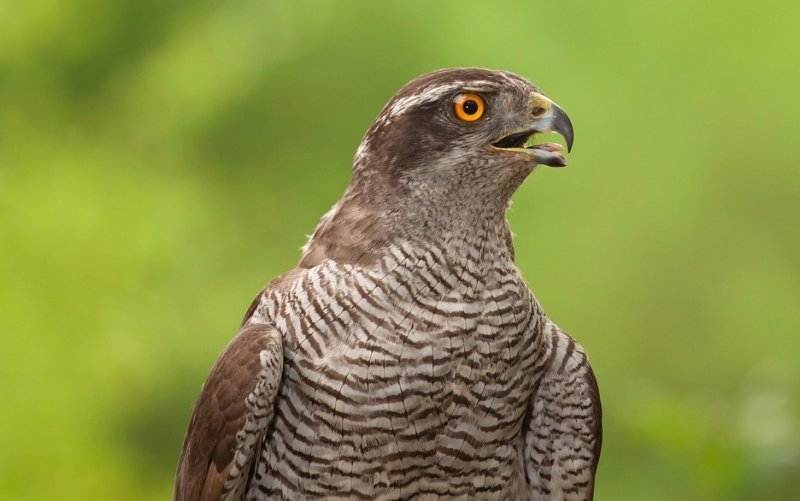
[[563, 434], [226, 429]]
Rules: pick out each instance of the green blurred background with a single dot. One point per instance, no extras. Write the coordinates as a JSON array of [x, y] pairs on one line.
[[160, 161]]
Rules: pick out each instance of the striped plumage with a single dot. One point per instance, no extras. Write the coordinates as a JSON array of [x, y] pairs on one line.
[[405, 357]]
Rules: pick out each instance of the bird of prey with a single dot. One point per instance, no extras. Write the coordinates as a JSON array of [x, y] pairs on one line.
[[405, 357]]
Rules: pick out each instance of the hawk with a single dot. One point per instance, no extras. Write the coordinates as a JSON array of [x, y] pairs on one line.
[[405, 357]]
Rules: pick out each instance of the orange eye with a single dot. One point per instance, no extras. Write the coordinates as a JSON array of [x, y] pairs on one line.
[[469, 107]]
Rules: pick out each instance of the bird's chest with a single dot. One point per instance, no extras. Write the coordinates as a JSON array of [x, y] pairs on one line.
[[391, 371]]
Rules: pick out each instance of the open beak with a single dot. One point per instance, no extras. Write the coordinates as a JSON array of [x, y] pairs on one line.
[[554, 120], [547, 117]]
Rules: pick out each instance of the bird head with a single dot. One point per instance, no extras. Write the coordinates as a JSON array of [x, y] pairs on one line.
[[441, 161], [459, 133]]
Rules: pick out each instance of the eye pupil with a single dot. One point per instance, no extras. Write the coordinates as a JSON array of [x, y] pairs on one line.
[[470, 107]]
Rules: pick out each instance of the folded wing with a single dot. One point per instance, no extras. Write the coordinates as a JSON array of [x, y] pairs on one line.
[[563, 434], [232, 413]]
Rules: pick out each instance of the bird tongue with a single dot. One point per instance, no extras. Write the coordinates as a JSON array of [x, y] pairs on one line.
[[548, 154]]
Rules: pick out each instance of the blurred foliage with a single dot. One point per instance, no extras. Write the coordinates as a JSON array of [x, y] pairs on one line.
[[161, 160]]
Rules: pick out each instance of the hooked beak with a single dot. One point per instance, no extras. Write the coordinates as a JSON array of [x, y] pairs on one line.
[[547, 117], [554, 119]]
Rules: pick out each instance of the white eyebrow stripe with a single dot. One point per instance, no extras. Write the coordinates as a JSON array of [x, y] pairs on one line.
[[426, 95], [431, 93]]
